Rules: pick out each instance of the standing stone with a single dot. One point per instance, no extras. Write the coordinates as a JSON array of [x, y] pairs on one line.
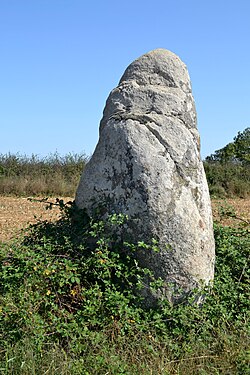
[[147, 165]]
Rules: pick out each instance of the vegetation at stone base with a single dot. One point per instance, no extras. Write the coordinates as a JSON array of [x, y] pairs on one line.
[[23, 176], [70, 306], [228, 169]]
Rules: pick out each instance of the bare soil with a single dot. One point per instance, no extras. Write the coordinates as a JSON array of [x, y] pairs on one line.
[[18, 213], [239, 207]]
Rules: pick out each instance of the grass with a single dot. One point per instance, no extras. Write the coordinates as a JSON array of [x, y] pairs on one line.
[[102, 357], [57, 175], [70, 306], [53, 175]]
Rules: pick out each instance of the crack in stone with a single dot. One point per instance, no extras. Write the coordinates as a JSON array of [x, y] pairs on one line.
[[142, 118], [145, 119], [168, 149]]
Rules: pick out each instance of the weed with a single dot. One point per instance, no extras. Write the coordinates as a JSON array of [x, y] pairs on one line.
[[54, 174], [69, 305], [59, 175]]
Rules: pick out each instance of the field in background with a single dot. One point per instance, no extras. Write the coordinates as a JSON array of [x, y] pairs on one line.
[[17, 213], [57, 175], [52, 175], [51, 323]]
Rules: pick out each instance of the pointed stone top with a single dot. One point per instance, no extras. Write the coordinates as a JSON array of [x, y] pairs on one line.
[[158, 67]]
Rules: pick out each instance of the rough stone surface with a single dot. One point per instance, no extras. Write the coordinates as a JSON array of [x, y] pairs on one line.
[[147, 165]]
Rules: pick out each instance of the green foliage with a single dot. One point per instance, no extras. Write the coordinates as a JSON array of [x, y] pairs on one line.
[[235, 152], [54, 174], [227, 180], [63, 287], [242, 146], [70, 305], [228, 169]]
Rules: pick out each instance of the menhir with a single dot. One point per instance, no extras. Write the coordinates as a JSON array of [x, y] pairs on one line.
[[147, 165]]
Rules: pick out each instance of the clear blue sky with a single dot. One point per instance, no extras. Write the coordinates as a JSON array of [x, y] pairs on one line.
[[59, 59]]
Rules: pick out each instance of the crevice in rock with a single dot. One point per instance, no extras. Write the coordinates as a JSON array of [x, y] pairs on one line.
[[143, 118], [168, 150], [167, 77]]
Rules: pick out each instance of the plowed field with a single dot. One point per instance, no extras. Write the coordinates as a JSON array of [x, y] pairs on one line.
[[18, 213]]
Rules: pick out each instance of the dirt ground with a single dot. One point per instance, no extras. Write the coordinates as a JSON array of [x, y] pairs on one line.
[[18, 213]]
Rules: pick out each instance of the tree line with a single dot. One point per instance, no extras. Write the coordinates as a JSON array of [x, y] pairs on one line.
[[228, 169]]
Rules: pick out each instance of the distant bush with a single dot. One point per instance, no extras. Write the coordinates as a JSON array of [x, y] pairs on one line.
[[237, 152], [228, 169], [228, 179], [51, 175]]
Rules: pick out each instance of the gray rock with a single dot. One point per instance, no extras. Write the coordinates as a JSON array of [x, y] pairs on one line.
[[147, 165]]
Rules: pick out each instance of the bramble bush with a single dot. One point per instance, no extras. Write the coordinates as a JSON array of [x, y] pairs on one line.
[[69, 305]]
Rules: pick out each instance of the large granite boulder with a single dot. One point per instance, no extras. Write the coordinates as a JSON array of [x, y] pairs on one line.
[[147, 165]]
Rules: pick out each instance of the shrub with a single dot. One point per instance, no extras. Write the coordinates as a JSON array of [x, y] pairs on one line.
[[52, 175], [228, 179], [69, 288], [228, 169]]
